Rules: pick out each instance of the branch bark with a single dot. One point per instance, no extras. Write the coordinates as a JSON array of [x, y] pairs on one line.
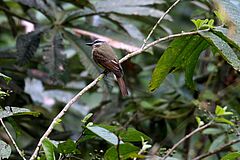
[[13, 141], [217, 150], [185, 138]]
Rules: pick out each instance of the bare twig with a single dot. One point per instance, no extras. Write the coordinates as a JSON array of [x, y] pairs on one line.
[[217, 150], [13, 141], [94, 82], [158, 22], [185, 138]]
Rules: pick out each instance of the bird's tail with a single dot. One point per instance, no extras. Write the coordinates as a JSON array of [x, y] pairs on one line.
[[122, 86]]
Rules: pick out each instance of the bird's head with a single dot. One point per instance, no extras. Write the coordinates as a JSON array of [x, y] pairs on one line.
[[96, 43]]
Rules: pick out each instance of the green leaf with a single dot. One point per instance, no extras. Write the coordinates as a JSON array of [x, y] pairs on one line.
[[223, 120], [191, 63], [219, 111], [228, 11], [15, 111], [225, 34], [212, 131], [182, 52], [199, 121], [219, 141], [231, 156], [126, 151], [86, 118], [6, 78], [105, 134], [67, 147], [5, 150], [223, 48], [49, 148], [132, 135]]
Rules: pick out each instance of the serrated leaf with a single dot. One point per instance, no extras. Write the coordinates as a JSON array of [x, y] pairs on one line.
[[5, 150], [67, 147], [133, 135], [6, 78], [126, 151], [219, 141], [49, 148], [53, 56], [27, 45], [231, 156], [15, 111], [105, 134], [223, 48]]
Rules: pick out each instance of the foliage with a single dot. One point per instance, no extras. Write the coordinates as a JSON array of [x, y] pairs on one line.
[[44, 62]]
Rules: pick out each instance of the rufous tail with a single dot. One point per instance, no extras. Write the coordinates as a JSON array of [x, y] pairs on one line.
[[122, 86]]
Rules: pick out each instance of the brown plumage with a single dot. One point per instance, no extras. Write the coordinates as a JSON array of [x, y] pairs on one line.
[[104, 56]]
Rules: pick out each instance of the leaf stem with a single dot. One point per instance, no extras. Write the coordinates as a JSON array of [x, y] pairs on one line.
[[13, 141]]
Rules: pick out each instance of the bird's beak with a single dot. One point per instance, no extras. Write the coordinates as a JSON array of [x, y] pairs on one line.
[[89, 44]]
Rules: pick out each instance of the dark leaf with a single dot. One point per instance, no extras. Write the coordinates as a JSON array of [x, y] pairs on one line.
[[27, 45], [53, 56], [223, 48], [126, 151], [67, 147]]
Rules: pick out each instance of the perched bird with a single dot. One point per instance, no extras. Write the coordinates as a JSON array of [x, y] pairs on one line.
[[105, 57]]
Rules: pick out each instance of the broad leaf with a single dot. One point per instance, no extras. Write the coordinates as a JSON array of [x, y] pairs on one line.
[[229, 10], [233, 39], [105, 134], [49, 148], [183, 52], [223, 120], [15, 111], [219, 141], [67, 147], [5, 150], [231, 156], [125, 150], [133, 135], [223, 48]]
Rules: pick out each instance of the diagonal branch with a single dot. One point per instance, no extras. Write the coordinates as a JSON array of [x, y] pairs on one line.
[[217, 150], [13, 141], [158, 22], [185, 138], [94, 82]]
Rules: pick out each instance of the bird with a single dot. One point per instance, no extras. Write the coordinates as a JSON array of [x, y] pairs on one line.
[[105, 57]]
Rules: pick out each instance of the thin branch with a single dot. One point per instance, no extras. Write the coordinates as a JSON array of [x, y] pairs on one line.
[[13, 141], [158, 22], [185, 138], [158, 41], [217, 150], [94, 82], [59, 116]]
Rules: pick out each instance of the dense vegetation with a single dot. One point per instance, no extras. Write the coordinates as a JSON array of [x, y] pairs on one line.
[[181, 65]]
